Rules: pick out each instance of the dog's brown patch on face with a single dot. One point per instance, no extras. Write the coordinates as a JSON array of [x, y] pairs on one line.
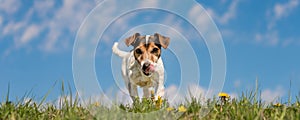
[[145, 51], [149, 49]]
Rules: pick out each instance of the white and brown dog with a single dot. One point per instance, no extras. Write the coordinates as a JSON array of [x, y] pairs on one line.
[[143, 65]]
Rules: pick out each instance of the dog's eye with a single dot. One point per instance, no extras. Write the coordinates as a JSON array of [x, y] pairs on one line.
[[138, 51], [154, 50]]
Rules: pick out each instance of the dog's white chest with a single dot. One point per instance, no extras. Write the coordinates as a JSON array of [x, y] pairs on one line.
[[137, 78]]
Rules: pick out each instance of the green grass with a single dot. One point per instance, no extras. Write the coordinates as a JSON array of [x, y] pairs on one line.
[[248, 106]]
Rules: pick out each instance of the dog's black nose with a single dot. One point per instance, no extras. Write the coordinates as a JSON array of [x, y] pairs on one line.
[[146, 65]]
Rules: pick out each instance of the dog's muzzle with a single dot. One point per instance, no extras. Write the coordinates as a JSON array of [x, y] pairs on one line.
[[147, 68]]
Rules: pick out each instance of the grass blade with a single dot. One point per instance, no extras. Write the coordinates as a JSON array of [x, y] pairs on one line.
[[47, 94]]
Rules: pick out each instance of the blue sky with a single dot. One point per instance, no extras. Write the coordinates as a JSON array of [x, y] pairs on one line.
[[261, 40]]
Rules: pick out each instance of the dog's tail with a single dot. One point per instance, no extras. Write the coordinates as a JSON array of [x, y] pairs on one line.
[[118, 52]]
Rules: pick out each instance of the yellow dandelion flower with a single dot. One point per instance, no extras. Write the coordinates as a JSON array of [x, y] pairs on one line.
[[277, 105], [170, 108], [223, 95], [181, 108], [158, 102], [97, 104]]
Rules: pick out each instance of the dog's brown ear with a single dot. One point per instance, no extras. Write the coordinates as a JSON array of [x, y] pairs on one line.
[[163, 41], [130, 40]]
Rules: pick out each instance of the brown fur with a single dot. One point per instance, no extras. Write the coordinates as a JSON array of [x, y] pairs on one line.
[[131, 40], [144, 51], [164, 41], [147, 52]]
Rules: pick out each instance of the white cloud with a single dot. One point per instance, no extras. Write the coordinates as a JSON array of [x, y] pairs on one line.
[[288, 42], [149, 3], [205, 26], [66, 20], [270, 38], [1, 21], [44, 8], [283, 10], [223, 18], [194, 13], [10, 6], [203, 19], [279, 11], [12, 27], [230, 14], [175, 96], [119, 25], [197, 91], [269, 95], [123, 96], [226, 16], [58, 23], [177, 25], [30, 32], [123, 23], [95, 23]]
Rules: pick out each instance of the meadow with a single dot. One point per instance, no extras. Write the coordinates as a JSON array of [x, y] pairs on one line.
[[248, 106]]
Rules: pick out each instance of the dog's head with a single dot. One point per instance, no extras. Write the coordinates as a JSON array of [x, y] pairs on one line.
[[147, 50]]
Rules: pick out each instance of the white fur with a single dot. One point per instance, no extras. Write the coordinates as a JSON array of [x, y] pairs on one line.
[[133, 76], [147, 38]]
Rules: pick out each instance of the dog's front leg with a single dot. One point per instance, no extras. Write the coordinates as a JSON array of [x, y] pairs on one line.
[[160, 91], [146, 92], [159, 87], [132, 91]]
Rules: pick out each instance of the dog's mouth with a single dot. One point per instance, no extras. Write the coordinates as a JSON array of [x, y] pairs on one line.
[[148, 69], [146, 73]]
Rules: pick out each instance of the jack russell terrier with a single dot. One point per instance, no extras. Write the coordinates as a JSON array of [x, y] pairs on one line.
[[143, 65]]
